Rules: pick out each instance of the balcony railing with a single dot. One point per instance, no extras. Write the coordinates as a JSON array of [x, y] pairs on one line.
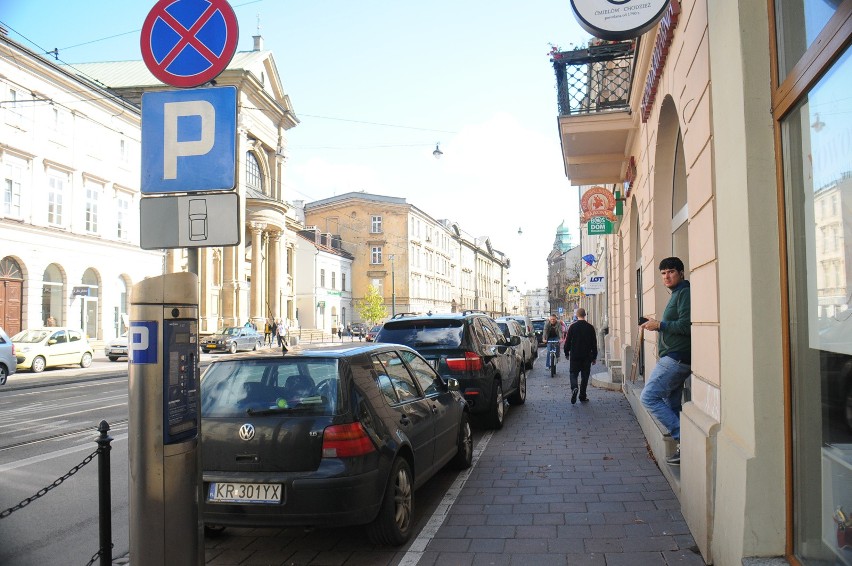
[[596, 79]]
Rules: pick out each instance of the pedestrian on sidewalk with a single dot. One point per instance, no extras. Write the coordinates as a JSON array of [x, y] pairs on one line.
[[282, 336], [267, 332], [664, 388], [581, 351]]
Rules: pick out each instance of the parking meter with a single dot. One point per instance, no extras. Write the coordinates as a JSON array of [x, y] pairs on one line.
[[165, 422]]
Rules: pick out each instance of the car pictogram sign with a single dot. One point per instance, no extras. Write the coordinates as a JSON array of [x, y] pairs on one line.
[[186, 43]]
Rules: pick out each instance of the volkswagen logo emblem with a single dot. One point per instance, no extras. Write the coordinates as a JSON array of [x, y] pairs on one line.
[[247, 432]]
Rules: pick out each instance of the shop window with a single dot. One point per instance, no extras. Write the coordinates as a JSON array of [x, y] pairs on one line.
[[817, 172]]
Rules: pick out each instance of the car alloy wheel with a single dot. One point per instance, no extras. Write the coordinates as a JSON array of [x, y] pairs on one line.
[[38, 364], [498, 405], [392, 526], [86, 360], [464, 457], [520, 396], [4, 375], [232, 348]]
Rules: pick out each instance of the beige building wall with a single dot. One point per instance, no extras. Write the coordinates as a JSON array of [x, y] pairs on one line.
[[731, 479]]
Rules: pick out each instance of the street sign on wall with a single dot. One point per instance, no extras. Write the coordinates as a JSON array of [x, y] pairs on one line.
[[186, 43], [189, 140]]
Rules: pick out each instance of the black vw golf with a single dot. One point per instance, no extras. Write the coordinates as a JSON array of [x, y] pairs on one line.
[[327, 438]]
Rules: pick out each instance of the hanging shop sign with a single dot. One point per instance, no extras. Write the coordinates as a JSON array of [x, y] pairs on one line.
[[597, 201], [599, 225], [595, 285], [574, 290], [617, 20]]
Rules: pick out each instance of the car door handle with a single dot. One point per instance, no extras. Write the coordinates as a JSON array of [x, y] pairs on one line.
[[435, 409], [405, 420]]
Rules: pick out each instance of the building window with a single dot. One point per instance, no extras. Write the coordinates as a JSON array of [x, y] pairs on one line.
[[93, 195], [13, 172], [820, 312], [376, 225], [333, 280], [254, 178], [122, 217], [55, 194], [376, 255], [322, 278], [342, 281]]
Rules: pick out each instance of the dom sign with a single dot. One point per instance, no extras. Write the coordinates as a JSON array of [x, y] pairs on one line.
[[617, 20]]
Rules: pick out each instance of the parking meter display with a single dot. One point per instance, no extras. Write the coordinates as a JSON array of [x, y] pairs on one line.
[[180, 390]]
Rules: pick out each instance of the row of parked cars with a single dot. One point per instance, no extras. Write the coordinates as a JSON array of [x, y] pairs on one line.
[[344, 436]]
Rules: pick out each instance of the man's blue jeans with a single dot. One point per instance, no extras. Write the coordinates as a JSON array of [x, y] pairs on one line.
[[663, 391], [552, 346]]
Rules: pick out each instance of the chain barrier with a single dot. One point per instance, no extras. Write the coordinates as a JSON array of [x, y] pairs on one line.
[[43, 491], [97, 555], [104, 495]]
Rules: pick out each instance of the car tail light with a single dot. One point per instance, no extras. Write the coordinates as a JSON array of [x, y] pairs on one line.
[[470, 362], [346, 441]]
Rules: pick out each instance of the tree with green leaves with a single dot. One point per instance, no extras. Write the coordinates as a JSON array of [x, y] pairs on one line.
[[372, 306]]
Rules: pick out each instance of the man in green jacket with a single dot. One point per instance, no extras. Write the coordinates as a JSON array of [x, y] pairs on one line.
[[664, 388]]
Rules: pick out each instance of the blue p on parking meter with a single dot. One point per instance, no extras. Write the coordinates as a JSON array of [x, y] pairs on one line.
[[165, 422]]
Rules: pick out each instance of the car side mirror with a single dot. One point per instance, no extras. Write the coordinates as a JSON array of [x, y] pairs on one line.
[[514, 340], [51, 342]]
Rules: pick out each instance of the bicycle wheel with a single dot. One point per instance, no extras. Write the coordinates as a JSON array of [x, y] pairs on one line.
[[552, 364]]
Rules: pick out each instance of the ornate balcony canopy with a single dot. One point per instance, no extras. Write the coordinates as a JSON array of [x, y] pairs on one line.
[[595, 119]]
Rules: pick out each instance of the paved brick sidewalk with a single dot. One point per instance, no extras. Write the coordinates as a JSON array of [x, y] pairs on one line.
[[564, 484]]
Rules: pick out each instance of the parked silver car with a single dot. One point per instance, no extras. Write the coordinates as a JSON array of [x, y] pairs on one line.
[[511, 327], [116, 348], [233, 339], [8, 362], [529, 330]]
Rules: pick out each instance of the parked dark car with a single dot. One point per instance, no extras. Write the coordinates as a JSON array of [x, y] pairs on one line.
[[327, 438], [510, 327], [8, 361], [538, 327], [359, 329], [233, 339], [470, 347]]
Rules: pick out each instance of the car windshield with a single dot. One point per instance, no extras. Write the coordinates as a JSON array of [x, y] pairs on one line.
[[30, 336], [245, 387], [424, 333], [233, 331], [538, 324]]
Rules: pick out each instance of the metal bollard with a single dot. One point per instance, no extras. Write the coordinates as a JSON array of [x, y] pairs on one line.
[[104, 494]]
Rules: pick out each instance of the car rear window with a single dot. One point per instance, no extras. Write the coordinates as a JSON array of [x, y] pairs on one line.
[[423, 333], [538, 324], [289, 386]]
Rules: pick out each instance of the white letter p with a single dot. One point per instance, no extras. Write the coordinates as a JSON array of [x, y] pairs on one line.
[[172, 148]]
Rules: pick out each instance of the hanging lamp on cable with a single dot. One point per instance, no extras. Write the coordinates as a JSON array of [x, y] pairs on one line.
[[437, 153]]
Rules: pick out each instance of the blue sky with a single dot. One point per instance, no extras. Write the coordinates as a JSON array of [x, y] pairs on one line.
[[376, 85]]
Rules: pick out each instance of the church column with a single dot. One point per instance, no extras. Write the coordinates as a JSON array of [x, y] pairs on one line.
[[274, 287], [257, 229]]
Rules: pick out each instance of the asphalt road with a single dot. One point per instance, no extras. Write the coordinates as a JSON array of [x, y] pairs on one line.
[[48, 427]]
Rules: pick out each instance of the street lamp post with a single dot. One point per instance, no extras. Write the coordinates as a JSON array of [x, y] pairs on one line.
[[393, 286]]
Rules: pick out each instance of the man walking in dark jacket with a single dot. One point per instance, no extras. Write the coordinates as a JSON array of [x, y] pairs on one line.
[[581, 351]]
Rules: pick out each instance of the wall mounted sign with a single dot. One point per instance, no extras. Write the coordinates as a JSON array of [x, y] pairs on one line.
[[597, 201], [616, 20], [599, 226], [658, 57]]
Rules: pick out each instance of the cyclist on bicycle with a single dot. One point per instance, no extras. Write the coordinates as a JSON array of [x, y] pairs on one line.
[[553, 335]]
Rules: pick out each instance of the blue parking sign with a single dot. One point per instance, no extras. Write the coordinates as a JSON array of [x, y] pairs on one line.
[[189, 140]]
